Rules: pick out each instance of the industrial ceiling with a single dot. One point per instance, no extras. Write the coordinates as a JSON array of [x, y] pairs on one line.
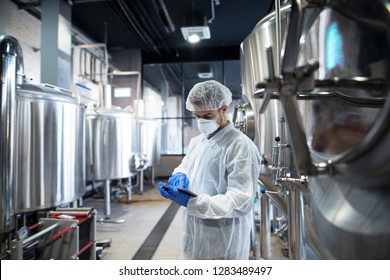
[[154, 26]]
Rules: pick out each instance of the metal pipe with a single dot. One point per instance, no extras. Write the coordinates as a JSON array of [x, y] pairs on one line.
[[162, 11], [265, 228], [153, 175], [92, 46], [296, 225], [80, 62], [62, 232], [271, 77], [9, 48], [141, 187], [376, 102], [284, 159], [87, 210], [107, 96], [281, 204], [210, 20], [278, 33], [277, 200], [70, 213], [85, 64], [275, 161], [34, 226], [39, 234], [85, 248], [107, 199], [91, 67], [140, 32]]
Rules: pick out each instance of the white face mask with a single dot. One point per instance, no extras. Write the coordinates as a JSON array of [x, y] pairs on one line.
[[207, 126]]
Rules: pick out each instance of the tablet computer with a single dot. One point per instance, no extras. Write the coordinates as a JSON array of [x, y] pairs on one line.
[[190, 193]]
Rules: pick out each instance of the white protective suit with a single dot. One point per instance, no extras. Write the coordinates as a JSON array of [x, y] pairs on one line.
[[223, 171]]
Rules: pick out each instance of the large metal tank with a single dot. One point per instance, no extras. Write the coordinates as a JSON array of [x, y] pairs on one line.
[[112, 144], [347, 124], [345, 119], [270, 125], [254, 70], [49, 153]]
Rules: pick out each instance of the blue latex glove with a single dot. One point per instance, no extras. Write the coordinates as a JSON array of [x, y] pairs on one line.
[[179, 180], [172, 193], [164, 191]]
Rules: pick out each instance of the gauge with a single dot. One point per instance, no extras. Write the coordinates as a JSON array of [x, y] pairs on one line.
[[23, 232]]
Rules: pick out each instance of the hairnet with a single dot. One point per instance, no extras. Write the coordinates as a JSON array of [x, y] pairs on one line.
[[208, 96]]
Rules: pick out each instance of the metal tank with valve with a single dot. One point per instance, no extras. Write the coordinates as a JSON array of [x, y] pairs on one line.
[[327, 90], [49, 162], [113, 150], [42, 147], [112, 137]]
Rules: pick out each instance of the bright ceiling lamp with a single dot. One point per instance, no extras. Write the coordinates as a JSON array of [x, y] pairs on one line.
[[193, 38], [195, 27]]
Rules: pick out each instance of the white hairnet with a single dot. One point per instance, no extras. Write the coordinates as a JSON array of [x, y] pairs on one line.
[[208, 96]]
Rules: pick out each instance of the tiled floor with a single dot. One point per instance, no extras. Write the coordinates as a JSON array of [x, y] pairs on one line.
[[141, 215]]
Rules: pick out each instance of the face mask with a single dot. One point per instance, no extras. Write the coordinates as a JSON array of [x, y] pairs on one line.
[[207, 126]]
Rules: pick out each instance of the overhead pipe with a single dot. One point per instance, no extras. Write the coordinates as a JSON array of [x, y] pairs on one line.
[[147, 24], [137, 28], [161, 10], [210, 20]]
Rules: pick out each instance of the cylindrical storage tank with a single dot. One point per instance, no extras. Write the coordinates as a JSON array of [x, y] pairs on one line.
[[345, 118], [150, 140], [254, 70], [272, 123], [50, 148], [350, 128], [112, 142]]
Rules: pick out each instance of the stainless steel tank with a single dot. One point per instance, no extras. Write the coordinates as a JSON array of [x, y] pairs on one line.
[[345, 121], [347, 124], [254, 70], [112, 144], [270, 126], [150, 140], [49, 154]]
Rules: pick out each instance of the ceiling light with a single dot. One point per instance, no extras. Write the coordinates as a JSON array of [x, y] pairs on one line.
[[205, 72], [194, 34], [195, 27], [193, 38]]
